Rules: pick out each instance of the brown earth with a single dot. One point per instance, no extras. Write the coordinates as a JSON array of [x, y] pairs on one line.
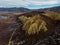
[[9, 23]]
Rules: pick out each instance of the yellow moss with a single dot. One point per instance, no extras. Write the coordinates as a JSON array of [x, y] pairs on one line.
[[33, 24], [53, 15]]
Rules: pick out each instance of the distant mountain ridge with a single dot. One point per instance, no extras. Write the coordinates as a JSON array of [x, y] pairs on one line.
[[21, 9]]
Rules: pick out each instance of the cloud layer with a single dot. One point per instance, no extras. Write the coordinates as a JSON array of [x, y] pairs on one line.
[[28, 3]]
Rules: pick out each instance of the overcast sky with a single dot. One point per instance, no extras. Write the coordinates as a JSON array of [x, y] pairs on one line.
[[32, 4]]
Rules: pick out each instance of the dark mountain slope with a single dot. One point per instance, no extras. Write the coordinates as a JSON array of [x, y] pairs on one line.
[[53, 9], [48, 38]]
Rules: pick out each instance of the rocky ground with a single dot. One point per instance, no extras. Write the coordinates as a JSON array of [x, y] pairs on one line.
[[7, 26], [9, 23]]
